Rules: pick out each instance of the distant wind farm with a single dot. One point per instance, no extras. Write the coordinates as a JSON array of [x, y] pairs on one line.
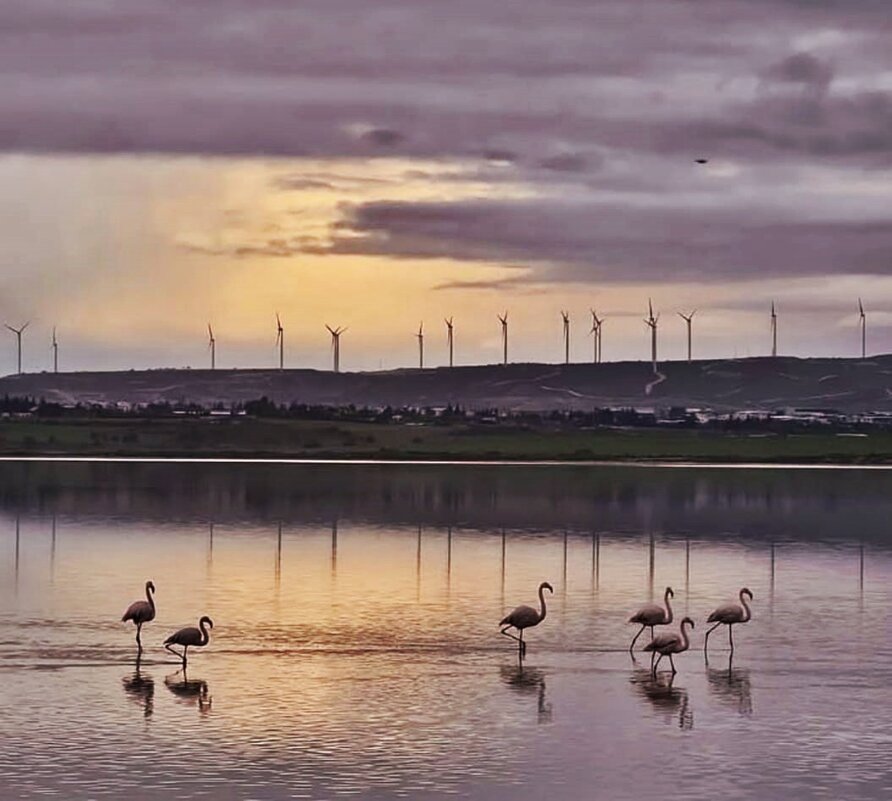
[[651, 320]]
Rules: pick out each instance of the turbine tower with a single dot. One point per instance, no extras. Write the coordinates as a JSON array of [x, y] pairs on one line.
[[503, 319], [336, 345], [862, 319], [450, 338], [212, 347], [565, 316], [773, 330], [420, 337], [55, 347], [18, 336], [689, 319], [597, 322], [651, 321], [280, 341]]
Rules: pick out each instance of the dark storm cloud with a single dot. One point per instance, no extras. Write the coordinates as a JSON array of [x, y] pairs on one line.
[[598, 242]]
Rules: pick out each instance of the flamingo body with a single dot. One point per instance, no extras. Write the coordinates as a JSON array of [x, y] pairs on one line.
[[141, 612], [521, 618], [190, 637], [524, 617], [669, 644], [652, 615], [729, 615]]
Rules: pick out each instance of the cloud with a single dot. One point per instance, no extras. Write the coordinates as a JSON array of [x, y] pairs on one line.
[[334, 78], [802, 68], [564, 241]]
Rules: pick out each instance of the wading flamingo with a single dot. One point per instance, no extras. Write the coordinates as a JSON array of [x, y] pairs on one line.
[[668, 644], [652, 615], [196, 637], [141, 612], [729, 614], [523, 617]]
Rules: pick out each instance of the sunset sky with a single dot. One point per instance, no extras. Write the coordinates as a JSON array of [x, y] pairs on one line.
[[376, 164]]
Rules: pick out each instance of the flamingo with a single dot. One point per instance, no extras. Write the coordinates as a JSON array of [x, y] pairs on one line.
[[197, 637], [524, 617], [652, 615], [141, 612], [729, 614], [668, 644]]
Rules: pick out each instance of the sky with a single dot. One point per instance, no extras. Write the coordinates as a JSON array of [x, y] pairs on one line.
[[167, 164]]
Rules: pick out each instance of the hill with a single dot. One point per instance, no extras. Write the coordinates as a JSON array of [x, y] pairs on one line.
[[847, 385]]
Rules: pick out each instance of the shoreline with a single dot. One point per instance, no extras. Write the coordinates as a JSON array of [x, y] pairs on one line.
[[332, 441], [442, 462]]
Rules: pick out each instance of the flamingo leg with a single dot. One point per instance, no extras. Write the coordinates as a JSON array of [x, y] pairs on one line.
[[654, 668], [138, 640], [635, 638], [185, 648], [731, 636], [671, 662], [706, 639], [523, 645], [177, 654], [509, 634]]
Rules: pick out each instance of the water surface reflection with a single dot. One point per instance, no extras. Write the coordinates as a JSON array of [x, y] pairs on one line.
[[356, 651]]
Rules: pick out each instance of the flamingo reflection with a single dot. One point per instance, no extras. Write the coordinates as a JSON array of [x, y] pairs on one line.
[[189, 691], [528, 681], [731, 686], [666, 699], [140, 688]]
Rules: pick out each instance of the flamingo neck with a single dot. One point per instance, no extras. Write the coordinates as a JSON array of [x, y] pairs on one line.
[[542, 604], [149, 597], [686, 642], [668, 615], [747, 613], [204, 632]]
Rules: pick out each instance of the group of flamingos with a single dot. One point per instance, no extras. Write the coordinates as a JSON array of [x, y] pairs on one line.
[[141, 612], [520, 619], [648, 616]]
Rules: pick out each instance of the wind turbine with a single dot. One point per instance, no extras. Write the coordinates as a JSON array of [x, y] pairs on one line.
[[212, 347], [336, 345], [503, 319], [450, 338], [18, 335], [862, 319], [651, 321], [280, 341], [420, 337], [688, 318], [565, 316], [55, 352], [773, 330], [597, 322]]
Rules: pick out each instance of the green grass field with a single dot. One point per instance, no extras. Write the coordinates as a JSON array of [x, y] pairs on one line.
[[323, 439]]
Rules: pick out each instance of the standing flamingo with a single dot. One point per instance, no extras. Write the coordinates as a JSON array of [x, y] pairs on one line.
[[197, 637], [729, 614], [523, 617], [652, 615], [141, 612], [668, 644]]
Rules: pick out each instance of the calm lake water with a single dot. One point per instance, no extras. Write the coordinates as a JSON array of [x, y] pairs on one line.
[[356, 653]]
